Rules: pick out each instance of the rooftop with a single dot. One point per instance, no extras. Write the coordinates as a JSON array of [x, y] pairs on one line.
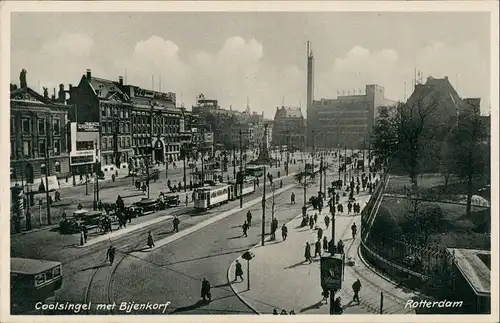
[[475, 267]]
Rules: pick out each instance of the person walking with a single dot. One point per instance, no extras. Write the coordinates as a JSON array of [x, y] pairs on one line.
[[340, 246], [292, 198], [238, 273], [307, 252], [354, 229], [187, 200], [327, 221], [284, 232], [349, 207], [110, 255], [315, 218], [205, 290], [151, 243], [320, 233], [176, 222], [317, 248], [245, 228], [311, 222], [85, 233], [356, 287], [325, 244], [249, 218]]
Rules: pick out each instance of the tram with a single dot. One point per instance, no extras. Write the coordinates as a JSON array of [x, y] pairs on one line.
[[211, 196], [33, 280]]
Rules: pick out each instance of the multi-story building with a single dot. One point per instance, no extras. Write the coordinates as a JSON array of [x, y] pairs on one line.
[[84, 138], [347, 120], [288, 127], [103, 101], [38, 136], [225, 124], [157, 125]]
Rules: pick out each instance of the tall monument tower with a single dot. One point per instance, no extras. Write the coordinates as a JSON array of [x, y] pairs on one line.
[[310, 94]]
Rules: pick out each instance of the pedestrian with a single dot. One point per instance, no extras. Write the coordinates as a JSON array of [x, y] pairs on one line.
[[317, 248], [357, 189], [337, 306], [320, 206], [238, 273], [151, 243], [85, 233], [245, 228], [275, 312], [349, 207], [110, 255], [325, 244], [356, 287], [340, 208], [340, 246], [205, 290], [327, 221], [354, 229], [249, 218], [320, 233], [315, 218], [187, 199], [311, 222], [307, 252], [284, 232], [176, 222]]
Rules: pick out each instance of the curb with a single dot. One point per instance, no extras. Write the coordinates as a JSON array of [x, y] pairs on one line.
[[238, 294], [232, 265]]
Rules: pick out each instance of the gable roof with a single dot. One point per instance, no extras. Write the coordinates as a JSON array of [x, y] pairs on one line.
[[29, 95], [288, 113], [106, 89]]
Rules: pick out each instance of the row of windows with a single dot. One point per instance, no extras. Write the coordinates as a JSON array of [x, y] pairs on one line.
[[27, 150], [138, 129], [107, 111], [15, 174], [109, 127], [109, 159], [41, 125], [123, 142], [146, 119], [84, 145]]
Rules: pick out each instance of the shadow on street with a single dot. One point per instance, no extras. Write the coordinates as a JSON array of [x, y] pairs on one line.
[[312, 307]]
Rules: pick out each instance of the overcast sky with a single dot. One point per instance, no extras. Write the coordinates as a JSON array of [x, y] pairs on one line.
[[262, 56]]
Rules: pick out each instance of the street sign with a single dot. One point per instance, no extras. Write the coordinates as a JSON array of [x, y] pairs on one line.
[[331, 272], [247, 255]]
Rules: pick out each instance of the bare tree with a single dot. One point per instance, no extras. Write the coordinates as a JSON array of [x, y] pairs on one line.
[[408, 135]]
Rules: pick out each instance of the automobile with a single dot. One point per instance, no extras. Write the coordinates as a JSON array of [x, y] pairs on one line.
[[69, 226], [147, 206], [171, 200]]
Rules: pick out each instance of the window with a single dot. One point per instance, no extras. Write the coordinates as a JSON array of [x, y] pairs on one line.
[[104, 143], [121, 113], [56, 126], [12, 125], [126, 114], [41, 126], [13, 149], [103, 112], [27, 148], [41, 147], [57, 147], [56, 272], [57, 167], [26, 125], [39, 279], [84, 145], [43, 169], [108, 111]]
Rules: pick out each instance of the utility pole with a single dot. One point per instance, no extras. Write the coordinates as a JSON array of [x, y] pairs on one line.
[[47, 170], [332, 292], [324, 183], [321, 176], [184, 164], [202, 158], [167, 159], [241, 172], [234, 162], [364, 156], [263, 210], [313, 152]]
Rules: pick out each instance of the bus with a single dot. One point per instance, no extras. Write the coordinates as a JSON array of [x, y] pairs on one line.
[[31, 281]]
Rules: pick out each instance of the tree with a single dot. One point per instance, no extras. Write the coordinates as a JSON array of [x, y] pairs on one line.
[[408, 134], [469, 153]]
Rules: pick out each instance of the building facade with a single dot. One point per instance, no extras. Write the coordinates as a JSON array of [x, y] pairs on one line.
[[135, 122], [38, 136], [84, 138], [102, 101], [225, 124], [288, 128], [347, 120]]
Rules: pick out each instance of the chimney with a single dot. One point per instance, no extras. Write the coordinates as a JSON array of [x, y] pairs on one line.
[[61, 94], [70, 87], [120, 80], [89, 74]]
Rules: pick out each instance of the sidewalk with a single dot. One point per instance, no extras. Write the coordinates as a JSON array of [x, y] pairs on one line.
[[279, 277]]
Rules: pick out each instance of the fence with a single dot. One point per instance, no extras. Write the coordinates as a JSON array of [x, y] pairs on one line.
[[426, 268]]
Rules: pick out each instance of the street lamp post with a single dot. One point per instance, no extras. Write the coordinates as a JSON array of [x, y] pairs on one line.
[[263, 210], [184, 164], [47, 170]]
